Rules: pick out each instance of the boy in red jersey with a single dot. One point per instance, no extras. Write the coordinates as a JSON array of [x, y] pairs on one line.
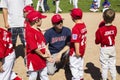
[[27, 9], [105, 36], [78, 45], [7, 56], [36, 52]]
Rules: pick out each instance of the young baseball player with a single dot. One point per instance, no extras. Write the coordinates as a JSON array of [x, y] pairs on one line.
[[78, 44], [58, 40], [7, 56], [27, 9], [105, 36], [106, 4], [36, 52], [94, 6]]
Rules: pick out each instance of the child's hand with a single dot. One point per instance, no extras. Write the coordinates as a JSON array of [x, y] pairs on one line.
[[46, 55], [78, 55], [50, 59], [1, 68], [58, 58]]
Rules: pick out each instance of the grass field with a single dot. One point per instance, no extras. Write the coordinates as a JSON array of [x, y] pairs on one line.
[[83, 4]]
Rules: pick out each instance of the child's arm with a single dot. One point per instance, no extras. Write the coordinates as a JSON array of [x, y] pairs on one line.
[[5, 17], [77, 45], [41, 54], [97, 37], [1, 68], [46, 56]]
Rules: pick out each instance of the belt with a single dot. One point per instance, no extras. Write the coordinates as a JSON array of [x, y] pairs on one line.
[[107, 45]]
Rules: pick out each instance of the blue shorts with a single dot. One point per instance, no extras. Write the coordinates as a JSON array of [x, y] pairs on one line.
[[15, 32]]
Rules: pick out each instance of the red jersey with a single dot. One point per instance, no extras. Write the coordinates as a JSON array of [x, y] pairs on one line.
[[6, 46], [106, 35], [34, 40], [79, 32], [102, 23]]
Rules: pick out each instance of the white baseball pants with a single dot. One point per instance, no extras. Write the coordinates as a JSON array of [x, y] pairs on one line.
[[98, 1], [57, 6], [75, 3], [76, 67], [42, 74], [8, 74], [40, 4], [108, 61]]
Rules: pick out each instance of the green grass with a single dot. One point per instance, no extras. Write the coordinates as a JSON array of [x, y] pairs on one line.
[[83, 4]]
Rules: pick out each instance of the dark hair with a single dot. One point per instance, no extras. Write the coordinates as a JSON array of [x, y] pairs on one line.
[[109, 15], [57, 23]]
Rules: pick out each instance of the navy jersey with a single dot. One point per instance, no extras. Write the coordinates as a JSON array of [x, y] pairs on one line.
[[56, 40]]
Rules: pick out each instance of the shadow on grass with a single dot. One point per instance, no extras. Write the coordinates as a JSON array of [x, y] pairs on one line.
[[93, 71]]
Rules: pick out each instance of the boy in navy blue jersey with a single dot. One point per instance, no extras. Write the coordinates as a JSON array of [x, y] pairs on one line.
[[58, 39]]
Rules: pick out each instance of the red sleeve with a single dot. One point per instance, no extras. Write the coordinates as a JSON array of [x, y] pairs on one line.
[[2, 49], [75, 35], [31, 41], [97, 37], [102, 23]]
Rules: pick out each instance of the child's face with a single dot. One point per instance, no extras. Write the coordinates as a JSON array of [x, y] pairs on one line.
[[25, 14], [39, 22]]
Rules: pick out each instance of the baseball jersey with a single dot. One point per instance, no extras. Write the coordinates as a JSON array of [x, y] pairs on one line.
[[35, 39], [94, 5], [15, 11], [79, 32], [106, 35], [102, 23], [6, 46], [57, 41]]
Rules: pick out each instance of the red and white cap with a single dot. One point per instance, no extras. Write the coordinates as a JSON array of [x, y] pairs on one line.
[[35, 15], [28, 9], [76, 13], [56, 18]]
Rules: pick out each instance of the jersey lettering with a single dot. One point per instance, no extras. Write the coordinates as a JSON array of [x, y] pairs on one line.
[[109, 32], [83, 42], [57, 39]]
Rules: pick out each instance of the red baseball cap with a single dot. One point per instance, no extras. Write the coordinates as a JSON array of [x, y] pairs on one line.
[[34, 15], [76, 13], [28, 9], [56, 18]]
